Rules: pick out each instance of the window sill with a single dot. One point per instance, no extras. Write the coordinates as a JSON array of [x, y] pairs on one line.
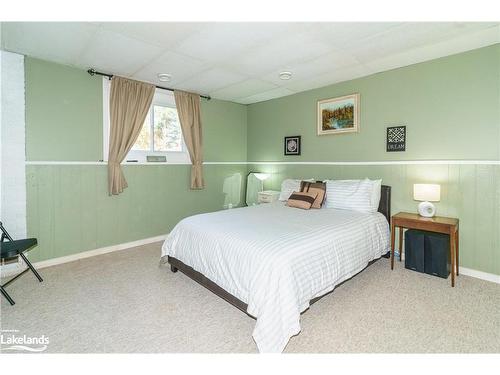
[[154, 163]]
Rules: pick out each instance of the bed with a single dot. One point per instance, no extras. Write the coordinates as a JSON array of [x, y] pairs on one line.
[[272, 261]]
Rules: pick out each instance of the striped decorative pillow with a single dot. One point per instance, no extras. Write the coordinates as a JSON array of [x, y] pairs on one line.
[[314, 187], [302, 200], [353, 195]]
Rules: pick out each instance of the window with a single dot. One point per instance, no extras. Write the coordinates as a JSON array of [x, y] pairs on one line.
[[161, 133]]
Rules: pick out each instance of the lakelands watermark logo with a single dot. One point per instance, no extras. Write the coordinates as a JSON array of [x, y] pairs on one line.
[[12, 340]]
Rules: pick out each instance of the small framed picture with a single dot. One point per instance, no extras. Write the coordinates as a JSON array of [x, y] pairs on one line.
[[396, 139], [292, 145]]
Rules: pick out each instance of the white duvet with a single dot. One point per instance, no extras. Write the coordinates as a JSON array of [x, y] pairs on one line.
[[277, 258]]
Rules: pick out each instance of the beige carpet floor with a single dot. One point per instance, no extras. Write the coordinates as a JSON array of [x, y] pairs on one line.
[[124, 302]]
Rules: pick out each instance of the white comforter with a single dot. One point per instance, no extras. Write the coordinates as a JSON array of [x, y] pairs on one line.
[[276, 258]]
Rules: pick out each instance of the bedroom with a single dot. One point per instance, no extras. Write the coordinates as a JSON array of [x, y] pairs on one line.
[[337, 182]]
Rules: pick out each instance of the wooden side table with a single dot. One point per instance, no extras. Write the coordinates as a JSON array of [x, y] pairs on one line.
[[438, 224]]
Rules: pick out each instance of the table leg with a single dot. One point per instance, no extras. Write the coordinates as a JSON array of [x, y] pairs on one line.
[[400, 243], [452, 256], [393, 233], [457, 250]]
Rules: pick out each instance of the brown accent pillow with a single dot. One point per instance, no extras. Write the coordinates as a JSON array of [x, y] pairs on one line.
[[302, 200], [314, 187]]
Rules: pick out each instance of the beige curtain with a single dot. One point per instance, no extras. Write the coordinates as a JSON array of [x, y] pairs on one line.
[[129, 104], [188, 108]]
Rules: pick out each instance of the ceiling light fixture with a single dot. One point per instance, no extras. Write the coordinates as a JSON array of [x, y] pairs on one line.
[[164, 77], [285, 76]]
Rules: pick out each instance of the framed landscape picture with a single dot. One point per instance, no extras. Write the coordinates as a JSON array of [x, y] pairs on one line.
[[338, 115], [292, 145]]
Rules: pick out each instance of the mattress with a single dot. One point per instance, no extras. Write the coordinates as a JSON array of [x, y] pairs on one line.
[[276, 258]]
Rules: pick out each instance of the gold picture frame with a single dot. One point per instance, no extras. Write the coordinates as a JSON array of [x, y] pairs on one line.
[[338, 115]]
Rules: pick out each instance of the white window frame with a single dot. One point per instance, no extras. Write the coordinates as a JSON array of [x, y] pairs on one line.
[[162, 98]]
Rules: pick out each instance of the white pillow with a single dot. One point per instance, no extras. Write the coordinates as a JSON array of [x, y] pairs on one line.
[[289, 185], [356, 195]]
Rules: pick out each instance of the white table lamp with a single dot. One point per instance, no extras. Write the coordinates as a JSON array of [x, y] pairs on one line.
[[255, 184], [261, 176], [426, 193]]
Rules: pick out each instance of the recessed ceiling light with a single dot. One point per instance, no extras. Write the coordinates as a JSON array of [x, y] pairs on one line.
[[164, 77], [285, 75]]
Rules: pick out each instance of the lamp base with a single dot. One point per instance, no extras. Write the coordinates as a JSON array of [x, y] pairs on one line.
[[426, 209]]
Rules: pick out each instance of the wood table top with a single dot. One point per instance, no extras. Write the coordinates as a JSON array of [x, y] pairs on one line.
[[436, 219]]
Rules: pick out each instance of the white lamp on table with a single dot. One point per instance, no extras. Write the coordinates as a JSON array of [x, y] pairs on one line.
[[255, 184], [261, 177], [426, 193]]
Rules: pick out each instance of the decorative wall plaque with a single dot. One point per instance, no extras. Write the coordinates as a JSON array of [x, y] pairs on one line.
[[396, 138]]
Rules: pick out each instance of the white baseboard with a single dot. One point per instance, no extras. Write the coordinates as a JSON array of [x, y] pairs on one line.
[[467, 272], [480, 275], [12, 269]]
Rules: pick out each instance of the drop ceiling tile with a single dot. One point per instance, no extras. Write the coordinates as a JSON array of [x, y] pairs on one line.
[[461, 43], [162, 34], [118, 54], [54, 41], [219, 41], [330, 62], [211, 80], [179, 66], [243, 89], [329, 78], [345, 34], [267, 95], [279, 52], [396, 40], [409, 36]]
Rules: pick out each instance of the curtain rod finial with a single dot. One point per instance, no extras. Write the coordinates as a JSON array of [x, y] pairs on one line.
[[91, 71]]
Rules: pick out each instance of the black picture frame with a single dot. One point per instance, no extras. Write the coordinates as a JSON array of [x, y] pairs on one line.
[[288, 145], [396, 139]]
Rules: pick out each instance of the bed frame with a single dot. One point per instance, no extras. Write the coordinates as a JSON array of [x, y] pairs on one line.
[[175, 264]]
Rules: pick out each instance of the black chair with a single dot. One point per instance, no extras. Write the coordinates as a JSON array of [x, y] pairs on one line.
[[13, 249]]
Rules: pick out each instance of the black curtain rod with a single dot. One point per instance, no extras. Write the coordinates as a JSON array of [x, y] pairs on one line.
[[93, 72]]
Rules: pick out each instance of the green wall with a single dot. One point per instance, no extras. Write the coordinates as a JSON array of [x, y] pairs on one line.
[[63, 113], [451, 108], [64, 117], [224, 131], [68, 208]]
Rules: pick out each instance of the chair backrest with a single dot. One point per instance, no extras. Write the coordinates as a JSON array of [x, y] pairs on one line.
[[5, 234]]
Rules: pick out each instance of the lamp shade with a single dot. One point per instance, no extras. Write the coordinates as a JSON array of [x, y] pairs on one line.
[[261, 176], [427, 192]]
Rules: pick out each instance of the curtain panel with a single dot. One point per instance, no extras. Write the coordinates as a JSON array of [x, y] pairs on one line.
[[188, 108], [129, 104]]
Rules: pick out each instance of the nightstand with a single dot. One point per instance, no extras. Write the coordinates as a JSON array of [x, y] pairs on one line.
[[438, 224], [267, 196]]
